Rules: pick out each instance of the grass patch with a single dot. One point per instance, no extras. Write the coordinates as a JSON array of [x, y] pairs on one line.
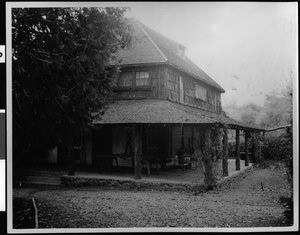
[[23, 213]]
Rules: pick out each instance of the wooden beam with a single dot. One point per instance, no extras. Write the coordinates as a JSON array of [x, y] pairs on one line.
[[207, 159], [254, 148], [207, 138], [225, 152], [278, 128], [246, 148], [182, 136], [237, 150], [137, 153]]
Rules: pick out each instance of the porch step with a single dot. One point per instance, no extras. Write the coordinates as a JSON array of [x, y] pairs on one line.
[[42, 173], [42, 180]]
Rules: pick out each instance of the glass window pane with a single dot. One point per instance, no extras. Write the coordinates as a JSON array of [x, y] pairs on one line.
[[142, 78], [201, 92]]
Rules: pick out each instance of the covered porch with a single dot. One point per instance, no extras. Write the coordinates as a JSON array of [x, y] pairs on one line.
[[169, 136], [53, 175]]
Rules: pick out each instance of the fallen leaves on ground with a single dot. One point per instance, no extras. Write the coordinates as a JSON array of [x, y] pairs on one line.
[[239, 203]]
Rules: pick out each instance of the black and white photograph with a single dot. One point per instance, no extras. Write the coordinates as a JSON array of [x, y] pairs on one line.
[[152, 117]]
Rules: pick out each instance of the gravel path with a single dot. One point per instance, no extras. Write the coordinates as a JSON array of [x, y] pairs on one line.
[[251, 199]]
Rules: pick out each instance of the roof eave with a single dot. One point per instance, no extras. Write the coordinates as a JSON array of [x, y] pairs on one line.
[[139, 64]]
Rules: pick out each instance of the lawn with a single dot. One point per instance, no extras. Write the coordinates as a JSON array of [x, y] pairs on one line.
[[252, 199]]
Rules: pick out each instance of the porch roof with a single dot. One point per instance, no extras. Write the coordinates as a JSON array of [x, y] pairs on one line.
[[162, 112]]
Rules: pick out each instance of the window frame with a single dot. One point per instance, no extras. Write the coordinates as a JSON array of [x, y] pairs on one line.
[[201, 97], [120, 87], [142, 78]]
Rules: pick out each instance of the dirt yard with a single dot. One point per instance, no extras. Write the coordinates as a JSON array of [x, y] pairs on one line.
[[251, 199]]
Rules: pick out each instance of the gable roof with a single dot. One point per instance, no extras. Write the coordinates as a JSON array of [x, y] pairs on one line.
[[150, 47]]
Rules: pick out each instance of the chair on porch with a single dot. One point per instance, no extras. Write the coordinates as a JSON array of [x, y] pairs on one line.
[[185, 158], [184, 161], [149, 160]]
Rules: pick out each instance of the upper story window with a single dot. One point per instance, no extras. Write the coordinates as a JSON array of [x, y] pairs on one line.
[[126, 79], [200, 92], [131, 79], [142, 78]]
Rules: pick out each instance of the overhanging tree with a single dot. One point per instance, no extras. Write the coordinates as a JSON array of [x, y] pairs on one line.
[[61, 72]]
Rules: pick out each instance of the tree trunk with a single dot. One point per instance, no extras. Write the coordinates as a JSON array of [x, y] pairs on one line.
[[246, 148], [137, 153], [254, 149], [225, 153], [237, 151]]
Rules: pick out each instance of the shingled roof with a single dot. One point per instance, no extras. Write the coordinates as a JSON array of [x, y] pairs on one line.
[[150, 47], [142, 111]]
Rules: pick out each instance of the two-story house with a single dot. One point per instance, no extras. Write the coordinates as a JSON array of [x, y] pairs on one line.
[[165, 106]]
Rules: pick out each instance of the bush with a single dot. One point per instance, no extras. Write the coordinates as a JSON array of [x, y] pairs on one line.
[[278, 148]]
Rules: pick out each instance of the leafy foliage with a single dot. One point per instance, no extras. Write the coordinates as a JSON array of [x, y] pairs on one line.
[[250, 113], [61, 72], [278, 148], [275, 112], [278, 109]]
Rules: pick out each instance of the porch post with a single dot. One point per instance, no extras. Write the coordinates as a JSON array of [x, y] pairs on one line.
[[182, 136], [237, 150], [225, 152], [254, 147], [258, 148], [246, 148], [207, 159], [137, 153]]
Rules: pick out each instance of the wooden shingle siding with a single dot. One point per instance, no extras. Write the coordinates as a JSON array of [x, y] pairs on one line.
[[165, 84], [189, 88], [172, 91], [172, 86], [137, 94], [154, 74]]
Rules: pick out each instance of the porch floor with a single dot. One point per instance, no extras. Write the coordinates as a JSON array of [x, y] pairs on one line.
[[175, 176], [51, 175]]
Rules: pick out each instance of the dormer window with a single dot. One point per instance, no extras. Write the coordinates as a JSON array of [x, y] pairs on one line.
[[142, 78], [181, 51]]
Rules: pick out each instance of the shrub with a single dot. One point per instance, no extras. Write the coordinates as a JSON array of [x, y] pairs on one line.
[[278, 148]]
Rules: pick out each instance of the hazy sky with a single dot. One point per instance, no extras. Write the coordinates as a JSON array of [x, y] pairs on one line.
[[248, 48]]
